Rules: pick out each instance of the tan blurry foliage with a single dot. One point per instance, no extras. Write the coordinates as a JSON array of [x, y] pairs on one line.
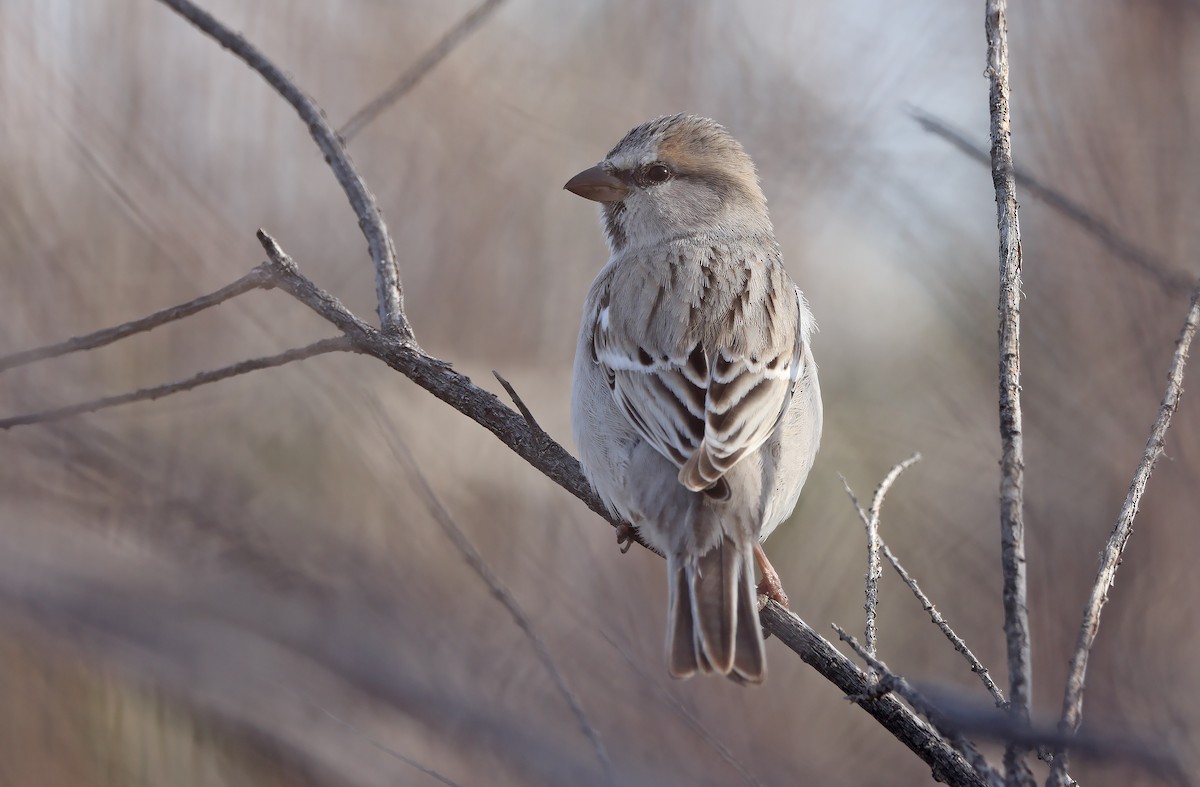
[[136, 157]]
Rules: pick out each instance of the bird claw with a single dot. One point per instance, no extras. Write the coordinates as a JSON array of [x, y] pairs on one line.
[[626, 536], [771, 589]]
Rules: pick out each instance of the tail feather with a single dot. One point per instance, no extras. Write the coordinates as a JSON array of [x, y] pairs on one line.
[[712, 616], [750, 657], [682, 661]]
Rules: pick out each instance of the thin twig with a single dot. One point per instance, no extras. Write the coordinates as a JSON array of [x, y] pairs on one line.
[[1012, 461], [871, 522], [383, 252], [257, 278], [497, 588], [874, 569], [417, 71], [538, 432], [409, 761], [1072, 713], [335, 344], [1170, 281], [947, 764], [890, 682], [959, 644]]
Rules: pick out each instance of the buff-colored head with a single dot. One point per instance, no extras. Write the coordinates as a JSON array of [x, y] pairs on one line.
[[674, 177]]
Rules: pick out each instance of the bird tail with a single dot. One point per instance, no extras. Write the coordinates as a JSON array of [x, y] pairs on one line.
[[712, 614]]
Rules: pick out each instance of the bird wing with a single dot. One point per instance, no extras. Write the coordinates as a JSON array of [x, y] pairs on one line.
[[703, 398]]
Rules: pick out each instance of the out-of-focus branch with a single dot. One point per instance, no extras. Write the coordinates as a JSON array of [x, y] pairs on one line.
[[370, 220], [1111, 745], [498, 590], [335, 344], [1072, 713], [874, 567], [417, 71], [890, 682], [654, 683], [1012, 459], [1170, 281], [947, 765], [257, 278]]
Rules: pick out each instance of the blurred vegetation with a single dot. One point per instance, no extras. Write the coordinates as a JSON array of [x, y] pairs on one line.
[[238, 586]]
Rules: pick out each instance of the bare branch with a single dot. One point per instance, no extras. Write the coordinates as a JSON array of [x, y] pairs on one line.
[[497, 588], [417, 71], [257, 278], [890, 682], [335, 344], [1170, 281], [971, 718], [947, 764], [959, 644], [1072, 713], [1012, 460], [409, 761], [871, 522], [370, 220]]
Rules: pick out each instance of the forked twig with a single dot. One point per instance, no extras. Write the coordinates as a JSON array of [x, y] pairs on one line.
[[370, 220], [871, 522], [890, 682], [1072, 712]]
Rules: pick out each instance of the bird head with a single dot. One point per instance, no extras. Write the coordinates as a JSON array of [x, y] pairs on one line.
[[675, 177]]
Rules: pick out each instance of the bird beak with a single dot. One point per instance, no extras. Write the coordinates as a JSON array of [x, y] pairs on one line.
[[597, 184]]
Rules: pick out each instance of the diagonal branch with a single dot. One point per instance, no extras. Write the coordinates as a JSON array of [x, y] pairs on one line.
[[335, 344], [417, 71], [498, 590], [947, 765], [257, 278], [890, 682], [1072, 714], [958, 642], [1012, 460], [370, 220], [1170, 281]]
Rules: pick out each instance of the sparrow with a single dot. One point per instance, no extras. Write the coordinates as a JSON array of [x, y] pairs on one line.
[[695, 404]]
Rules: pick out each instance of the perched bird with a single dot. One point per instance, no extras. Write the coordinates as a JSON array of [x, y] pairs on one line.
[[695, 403]]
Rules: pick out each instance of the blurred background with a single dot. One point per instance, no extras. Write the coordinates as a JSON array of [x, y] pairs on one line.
[[240, 584]]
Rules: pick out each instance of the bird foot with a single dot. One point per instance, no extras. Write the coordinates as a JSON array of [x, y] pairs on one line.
[[626, 536], [770, 587]]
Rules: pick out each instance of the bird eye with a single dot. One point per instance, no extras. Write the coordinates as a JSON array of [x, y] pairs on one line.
[[658, 173]]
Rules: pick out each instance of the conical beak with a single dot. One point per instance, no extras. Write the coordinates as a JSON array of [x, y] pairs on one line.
[[597, 184]]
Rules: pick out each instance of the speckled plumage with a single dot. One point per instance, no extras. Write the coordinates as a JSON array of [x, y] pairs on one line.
[[696, 406]]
